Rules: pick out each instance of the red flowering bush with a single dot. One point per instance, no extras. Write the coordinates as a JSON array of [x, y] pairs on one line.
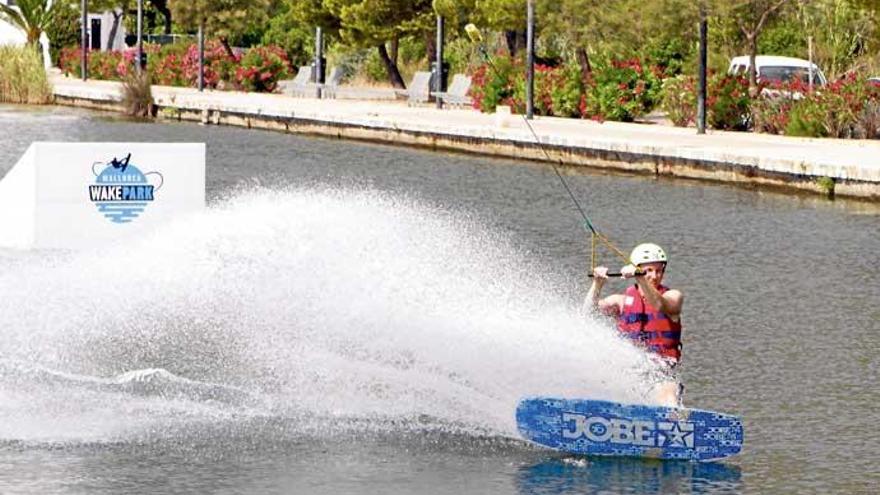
[[166, 66], [842, 109], [261, 68], [622, 90], [728, 103], [496, 85], [219, 66]]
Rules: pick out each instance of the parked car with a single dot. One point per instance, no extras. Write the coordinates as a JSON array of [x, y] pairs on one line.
[[779, 69]]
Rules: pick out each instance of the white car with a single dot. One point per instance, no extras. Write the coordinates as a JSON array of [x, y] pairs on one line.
[[779, 69]]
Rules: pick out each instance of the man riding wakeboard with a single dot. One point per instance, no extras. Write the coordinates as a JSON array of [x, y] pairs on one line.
[[648, 312]]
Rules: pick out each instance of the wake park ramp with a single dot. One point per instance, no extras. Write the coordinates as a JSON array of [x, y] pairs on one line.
[[78, 195]]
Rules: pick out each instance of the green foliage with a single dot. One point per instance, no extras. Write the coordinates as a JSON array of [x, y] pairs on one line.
[[806, 119], [491, 88], [296, 38], [224, 19], [566, 90], [826, 185], [64, 30], [22, 77], [32, 17], [678, 97], [785, 38], [622, 90]]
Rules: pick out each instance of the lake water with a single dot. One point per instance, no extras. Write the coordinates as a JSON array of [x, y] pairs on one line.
[[358, 318]]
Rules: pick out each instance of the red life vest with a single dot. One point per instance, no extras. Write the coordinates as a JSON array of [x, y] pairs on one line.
[[649, 327]]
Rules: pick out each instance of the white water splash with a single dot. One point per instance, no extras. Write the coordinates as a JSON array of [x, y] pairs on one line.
[[306, 303]]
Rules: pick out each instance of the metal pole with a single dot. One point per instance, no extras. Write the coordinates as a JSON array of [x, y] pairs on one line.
[[438, 81], [84, 62], [202, 56], [530, 63], [319, 60], [810, 55], [140, 35], [701, 92]]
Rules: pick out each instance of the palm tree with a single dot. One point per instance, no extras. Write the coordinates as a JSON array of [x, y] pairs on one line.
[[31, 16]]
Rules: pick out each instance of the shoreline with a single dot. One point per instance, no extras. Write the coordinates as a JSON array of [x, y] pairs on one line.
[[829, 167]]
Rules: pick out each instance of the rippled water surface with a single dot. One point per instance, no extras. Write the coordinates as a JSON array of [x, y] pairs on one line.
[[357, 318]]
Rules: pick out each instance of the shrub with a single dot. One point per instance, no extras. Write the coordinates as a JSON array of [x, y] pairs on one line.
[[622, 90], [261, 67], [166, 67], [494, 85], [219, 66], [678, 97], [22, 76], [137, 95], [806, 118], [728, 103], [566, 89]]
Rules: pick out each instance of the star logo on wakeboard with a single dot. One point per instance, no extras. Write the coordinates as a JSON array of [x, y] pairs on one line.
[[675, 434]]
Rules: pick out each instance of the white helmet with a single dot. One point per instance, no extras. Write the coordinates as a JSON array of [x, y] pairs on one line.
[[647, 253]]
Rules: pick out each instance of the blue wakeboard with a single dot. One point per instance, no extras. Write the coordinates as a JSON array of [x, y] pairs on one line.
[[595, 427]]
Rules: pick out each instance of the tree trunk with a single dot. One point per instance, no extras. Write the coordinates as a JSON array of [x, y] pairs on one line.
[[510, 39], [584, 62], [430, 45], [393, 47], [117, 17], [391, 68], [225, 42], [753, 69], [162, 7]]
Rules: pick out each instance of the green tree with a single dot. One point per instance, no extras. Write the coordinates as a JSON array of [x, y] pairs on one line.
[[64, 30], [373, 23], [224, 19], [842, 31], [751, 17], [33, 17]]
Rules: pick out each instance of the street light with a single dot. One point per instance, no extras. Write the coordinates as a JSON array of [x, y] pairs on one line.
[[530, 62], [84, 58], [140, 34]]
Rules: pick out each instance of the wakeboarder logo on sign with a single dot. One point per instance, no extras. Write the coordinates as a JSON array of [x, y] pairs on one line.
[[629, 432], [121, 191]]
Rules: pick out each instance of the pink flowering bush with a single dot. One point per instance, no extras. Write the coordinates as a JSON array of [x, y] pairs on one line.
[[261, 67]]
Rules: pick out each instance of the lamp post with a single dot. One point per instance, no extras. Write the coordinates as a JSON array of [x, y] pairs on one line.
[[84, 59], [701, 91], [140, 35], [438, 75], [319, 60], [530, 62], [202, 55]]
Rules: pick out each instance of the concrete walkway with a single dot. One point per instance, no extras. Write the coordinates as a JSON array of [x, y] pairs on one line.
[[853, 166]]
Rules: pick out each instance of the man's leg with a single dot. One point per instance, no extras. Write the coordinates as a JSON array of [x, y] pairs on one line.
[[669, 393]]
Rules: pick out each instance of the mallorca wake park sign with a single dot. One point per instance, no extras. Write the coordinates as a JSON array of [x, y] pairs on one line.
[[74, 195]]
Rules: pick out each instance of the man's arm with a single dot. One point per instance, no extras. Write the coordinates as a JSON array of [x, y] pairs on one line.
[[610, 305], [668, 303]]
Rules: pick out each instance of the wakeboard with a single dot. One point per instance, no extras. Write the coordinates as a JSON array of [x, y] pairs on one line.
[[594, 427]]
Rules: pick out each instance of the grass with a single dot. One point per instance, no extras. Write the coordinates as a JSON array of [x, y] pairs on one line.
[[22, 76]]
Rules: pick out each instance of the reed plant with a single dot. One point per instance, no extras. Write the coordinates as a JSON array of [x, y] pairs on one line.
[[137, 94], [22, 76]]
